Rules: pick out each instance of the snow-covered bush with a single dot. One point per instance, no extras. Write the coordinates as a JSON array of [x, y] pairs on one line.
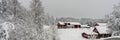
[[5, 28]]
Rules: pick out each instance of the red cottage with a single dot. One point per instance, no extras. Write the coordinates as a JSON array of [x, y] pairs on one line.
[[68, 25], [61, 25], [89, 33], [102, 31], [97, 32]]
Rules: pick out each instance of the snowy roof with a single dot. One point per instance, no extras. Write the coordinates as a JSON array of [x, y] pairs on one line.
[[90, 31], [102, 24], [62, 23], [102, 29], [72, 23], [85, 26]]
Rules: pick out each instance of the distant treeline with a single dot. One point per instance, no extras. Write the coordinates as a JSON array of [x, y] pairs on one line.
[[81, 20]]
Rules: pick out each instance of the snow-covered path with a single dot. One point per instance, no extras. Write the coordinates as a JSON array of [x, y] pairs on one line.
[[72, 34]]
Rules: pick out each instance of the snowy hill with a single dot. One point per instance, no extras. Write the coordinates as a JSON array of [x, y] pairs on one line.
[[73, 34]]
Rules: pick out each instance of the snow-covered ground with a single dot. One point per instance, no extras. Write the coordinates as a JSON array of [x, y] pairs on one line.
[[73, 34]]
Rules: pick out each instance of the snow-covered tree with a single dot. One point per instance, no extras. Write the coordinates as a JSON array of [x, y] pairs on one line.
[[5, 28], [37, 11], [12, 11], [114, 20], [12, 8], [28, 25], [51, 31], [38, 17], [17, 10]]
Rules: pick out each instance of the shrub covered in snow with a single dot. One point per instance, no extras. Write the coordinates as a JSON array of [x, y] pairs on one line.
[[5, 28]]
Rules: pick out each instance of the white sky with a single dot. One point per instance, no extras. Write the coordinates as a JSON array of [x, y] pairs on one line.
[[77, 8]]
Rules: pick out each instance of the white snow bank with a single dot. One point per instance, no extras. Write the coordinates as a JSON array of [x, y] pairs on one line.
[[114, 37], [73, 34]]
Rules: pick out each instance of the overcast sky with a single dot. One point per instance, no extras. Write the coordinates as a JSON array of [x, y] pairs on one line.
[[77, 8]]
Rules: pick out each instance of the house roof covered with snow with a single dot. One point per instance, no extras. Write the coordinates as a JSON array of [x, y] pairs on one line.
[[62, 23], [89, 31], [102, 24], [85, 26], [72, 23], [102, 29]]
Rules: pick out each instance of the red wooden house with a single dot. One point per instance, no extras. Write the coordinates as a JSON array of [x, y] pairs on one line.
[[89, 33], [61, 25], [68, 25], [102, 31], [88, 36], [97, 32]]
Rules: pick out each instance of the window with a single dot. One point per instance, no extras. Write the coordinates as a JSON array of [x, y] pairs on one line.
[[68, 23]]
